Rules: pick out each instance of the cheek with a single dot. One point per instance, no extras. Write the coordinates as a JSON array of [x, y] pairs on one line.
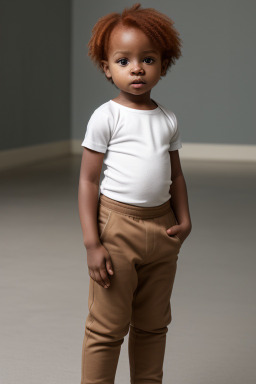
[[119, 75], [156, 70], [154, 76]]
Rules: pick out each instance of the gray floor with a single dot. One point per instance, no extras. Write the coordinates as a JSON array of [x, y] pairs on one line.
[[44, 279]]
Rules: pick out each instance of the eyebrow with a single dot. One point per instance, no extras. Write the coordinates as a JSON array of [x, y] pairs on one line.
[[127, 52]]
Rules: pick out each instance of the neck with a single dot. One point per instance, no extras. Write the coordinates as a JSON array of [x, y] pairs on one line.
[[136, 100]]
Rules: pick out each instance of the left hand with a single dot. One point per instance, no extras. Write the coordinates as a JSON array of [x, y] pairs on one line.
[[180, 230]]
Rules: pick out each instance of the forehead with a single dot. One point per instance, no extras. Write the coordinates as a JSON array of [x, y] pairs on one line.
[[129, 39]]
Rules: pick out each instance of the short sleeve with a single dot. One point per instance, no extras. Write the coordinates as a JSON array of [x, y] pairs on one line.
[[175, 142], [98, 132]]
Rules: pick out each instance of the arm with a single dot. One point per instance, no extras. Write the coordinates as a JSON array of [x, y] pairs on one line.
[[179, 199], [88, 191], [98, 258]]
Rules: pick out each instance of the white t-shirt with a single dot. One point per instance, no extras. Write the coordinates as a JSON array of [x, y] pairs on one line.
[[136, 144]]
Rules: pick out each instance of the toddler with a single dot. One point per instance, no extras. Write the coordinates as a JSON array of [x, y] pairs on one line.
[[134, 227]]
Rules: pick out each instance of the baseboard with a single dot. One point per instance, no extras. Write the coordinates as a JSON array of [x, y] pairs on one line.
[[16, 157], [218, 152], [191, 151], [204, 151]]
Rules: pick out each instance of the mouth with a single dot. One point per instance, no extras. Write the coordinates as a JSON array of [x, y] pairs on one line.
[[137, 84]]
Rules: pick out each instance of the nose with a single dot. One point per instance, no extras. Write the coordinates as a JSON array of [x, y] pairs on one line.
[[137, 69]]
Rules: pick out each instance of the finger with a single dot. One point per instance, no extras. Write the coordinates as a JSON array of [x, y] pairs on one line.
[[109, 266], [91, 273], [173, 230], [178, 238], [98, 278], [104, 277]]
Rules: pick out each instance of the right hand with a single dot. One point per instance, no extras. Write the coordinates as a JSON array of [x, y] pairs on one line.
[[99, 265]]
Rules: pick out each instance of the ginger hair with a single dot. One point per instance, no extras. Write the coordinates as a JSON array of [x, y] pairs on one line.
[[157, 26]]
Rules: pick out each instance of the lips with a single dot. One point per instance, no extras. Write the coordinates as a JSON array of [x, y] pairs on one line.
[[138, 82]]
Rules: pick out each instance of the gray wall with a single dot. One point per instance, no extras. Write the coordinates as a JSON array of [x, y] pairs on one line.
[[49, 86], [34, 72], [212, 86]]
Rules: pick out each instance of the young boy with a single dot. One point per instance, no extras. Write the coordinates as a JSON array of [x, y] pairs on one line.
[[134, 230]]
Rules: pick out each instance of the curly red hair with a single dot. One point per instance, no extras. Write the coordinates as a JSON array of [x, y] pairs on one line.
[[156, 25]]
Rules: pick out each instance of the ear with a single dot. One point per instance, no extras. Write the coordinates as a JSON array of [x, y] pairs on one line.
[[164, 67], [105, 67]]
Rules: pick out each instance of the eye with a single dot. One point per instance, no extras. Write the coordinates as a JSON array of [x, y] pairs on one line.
[[122, 61], [149, 58]]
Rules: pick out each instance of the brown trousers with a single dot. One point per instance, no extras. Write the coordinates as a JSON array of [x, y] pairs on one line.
[[144, 259]]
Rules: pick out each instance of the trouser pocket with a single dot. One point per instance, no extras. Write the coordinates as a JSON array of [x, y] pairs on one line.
[[103, 220]]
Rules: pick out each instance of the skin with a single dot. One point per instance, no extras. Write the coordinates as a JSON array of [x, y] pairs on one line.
[[123, 69]]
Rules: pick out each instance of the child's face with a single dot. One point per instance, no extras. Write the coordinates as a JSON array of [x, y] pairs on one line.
[[134, 63]]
